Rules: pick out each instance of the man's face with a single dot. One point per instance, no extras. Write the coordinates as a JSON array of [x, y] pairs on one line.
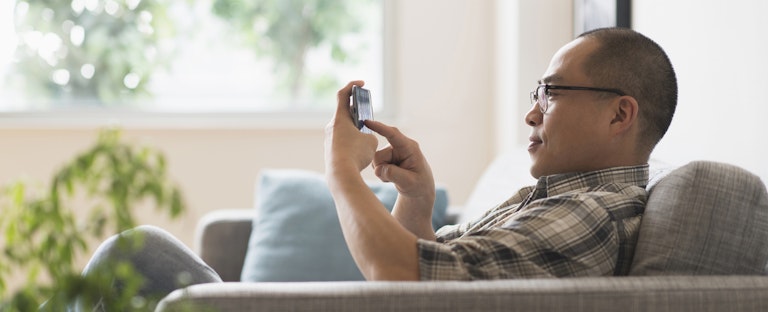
[[573, 134]]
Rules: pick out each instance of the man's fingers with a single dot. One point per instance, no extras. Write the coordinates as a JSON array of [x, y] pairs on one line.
[[381, 128], [342, 98], [399, 176], [382, 172], [392, 134], [389, 173], [383, 156], [382, 163]]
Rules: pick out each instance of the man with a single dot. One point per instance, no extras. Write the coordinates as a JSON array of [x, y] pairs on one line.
[[603, 103]]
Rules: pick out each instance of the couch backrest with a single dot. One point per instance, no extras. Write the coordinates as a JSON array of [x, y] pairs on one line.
[[704, 218]]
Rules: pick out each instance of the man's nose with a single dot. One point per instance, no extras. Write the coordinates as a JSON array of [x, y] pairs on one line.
[[534, 116]]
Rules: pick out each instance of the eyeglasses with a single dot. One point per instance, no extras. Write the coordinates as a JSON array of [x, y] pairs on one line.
[[541, 93]]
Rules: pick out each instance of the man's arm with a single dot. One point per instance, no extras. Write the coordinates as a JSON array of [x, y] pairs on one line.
[[382, 248], [403, 164]]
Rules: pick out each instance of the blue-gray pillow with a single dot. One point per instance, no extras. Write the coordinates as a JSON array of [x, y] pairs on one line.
[[296, 235]]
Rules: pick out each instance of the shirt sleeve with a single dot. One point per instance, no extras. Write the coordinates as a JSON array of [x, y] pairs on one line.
[[553, 237]]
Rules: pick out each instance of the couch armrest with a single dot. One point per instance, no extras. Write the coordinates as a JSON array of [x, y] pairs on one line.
[[222, 240], [644, 293]]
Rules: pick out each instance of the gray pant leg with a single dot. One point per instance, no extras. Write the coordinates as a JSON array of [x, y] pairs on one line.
[[165, 262]]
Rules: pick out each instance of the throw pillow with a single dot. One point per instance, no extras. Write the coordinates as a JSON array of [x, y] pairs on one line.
[[296, 235]]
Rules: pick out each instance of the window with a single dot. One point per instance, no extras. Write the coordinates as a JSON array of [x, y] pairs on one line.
[[184, 56]]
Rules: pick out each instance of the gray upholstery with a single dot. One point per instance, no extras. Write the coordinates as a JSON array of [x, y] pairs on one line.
[[222, 240], [704, 218], [637, 293]]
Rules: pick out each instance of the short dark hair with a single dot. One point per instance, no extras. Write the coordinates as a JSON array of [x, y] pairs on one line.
[[631, 62]]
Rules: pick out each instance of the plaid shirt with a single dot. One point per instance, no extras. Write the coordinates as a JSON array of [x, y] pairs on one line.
[[582, 224]]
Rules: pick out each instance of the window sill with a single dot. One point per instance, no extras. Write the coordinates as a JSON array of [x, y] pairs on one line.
[[153, 120], [167, 120]]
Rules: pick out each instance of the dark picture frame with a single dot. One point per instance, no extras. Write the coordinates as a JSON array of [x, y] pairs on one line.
[[591, 14]]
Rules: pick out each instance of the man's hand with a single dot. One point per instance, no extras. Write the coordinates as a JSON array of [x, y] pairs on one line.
[[346, 148], [403, 163]]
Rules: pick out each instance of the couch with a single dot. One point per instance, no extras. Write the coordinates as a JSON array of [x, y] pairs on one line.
[[702, 246]]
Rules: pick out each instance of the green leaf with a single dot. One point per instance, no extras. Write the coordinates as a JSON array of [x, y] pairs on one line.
[[43, 236], [17, 193]]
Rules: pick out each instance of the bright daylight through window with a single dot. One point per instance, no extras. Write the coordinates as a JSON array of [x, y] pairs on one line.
[[186, 56]]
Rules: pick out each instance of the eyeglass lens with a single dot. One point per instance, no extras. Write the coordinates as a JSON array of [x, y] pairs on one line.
[[541, 98]]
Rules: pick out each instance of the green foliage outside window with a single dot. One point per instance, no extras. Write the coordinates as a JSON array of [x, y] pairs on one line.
[[285, 31], [89, 51], [105, 52]]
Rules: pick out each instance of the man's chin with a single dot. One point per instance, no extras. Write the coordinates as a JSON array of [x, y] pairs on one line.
[[540, 169], [535, 171]]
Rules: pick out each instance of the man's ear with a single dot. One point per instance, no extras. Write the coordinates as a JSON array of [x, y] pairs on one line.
[[625, 114]]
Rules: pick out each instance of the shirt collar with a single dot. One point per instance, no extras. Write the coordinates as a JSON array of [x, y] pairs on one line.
[[560, 183]]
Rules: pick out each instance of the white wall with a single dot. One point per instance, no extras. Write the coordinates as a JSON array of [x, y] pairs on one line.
[[720, 52], [529, 32]]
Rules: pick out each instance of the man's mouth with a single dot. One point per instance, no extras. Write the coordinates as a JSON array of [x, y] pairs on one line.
[[534, 143]]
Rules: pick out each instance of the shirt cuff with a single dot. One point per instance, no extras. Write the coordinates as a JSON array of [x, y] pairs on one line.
[[438, 262]]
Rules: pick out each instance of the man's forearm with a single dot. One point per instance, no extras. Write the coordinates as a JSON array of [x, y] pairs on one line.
[[416, 216], [381, 247]]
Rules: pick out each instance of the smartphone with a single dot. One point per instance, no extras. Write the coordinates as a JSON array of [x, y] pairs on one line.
[[361, 108]]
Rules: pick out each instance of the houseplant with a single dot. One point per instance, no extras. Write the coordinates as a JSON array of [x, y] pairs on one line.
[[42, 237]]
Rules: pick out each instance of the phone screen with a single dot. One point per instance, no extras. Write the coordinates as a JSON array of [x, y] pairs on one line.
[[361, 108]]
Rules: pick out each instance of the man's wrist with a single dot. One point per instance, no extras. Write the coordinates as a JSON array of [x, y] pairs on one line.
[[415, 214], [339, 174], [427, 200]]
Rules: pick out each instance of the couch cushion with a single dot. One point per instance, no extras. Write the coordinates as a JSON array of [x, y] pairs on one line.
[[296, 235], [704, 218], [508, 172]]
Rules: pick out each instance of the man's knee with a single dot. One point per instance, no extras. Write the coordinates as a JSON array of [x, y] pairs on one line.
[[126, 245]]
